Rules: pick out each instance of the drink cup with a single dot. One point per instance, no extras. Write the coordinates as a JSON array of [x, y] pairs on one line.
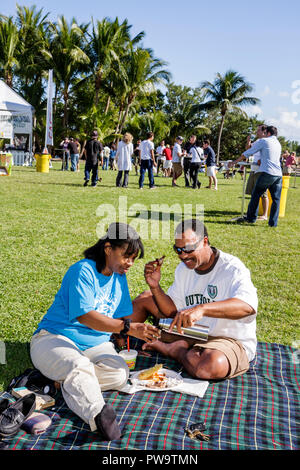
[[129, 357]]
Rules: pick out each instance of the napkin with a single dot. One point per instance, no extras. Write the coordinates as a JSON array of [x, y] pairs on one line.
[[189, 386]]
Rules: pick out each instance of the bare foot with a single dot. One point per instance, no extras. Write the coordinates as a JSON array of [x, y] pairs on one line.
[[174, 350]]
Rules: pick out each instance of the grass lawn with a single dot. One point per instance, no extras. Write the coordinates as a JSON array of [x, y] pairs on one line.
[[49, 219]]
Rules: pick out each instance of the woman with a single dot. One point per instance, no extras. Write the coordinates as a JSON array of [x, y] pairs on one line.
[[123, 159], [72, 342]]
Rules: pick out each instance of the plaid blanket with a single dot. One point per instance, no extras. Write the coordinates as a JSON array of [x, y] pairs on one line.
[[256, 411]]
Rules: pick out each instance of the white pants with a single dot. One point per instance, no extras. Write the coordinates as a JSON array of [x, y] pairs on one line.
[[82, 374]]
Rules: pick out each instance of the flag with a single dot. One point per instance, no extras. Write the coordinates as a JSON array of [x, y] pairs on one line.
[[49, 117]]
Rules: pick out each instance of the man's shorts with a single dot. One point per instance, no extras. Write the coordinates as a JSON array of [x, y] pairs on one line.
[[232, 348], [211, 171], [253, 177], [167, 164], [177, 168]]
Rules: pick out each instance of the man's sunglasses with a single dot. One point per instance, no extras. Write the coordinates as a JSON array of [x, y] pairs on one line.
[[186, 249]]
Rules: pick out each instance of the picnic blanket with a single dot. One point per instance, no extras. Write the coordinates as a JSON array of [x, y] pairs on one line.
[[256, 411]]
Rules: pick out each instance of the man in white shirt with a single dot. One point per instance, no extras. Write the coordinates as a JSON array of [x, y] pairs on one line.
[[147, 160], [210, 287], [177, 155], [270, 175], [160, 156], [255, 172]]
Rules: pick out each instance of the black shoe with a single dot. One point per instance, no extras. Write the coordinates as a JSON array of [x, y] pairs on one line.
[[14, 416], [198, 184], [86, 183], [107, 424]]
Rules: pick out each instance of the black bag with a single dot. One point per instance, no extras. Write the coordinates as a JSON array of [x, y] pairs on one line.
[[35, 381]]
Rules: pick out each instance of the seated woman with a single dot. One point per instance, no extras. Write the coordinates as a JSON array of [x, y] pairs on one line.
[[72, 342]]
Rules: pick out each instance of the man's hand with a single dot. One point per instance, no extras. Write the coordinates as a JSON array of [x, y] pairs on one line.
[[144, 331], [186, 318], [152, 273]]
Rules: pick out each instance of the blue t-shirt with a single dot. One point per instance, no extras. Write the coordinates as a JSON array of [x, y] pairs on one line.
[[84, 289], [210, 156]]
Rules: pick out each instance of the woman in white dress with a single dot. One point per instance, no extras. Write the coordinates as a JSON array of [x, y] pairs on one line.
[[123, 159]]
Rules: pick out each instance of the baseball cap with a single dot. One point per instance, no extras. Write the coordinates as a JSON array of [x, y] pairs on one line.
[[179, 138], [94, 134]]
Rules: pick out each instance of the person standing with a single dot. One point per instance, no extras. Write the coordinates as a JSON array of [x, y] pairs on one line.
[[93, 152], [79, 150], [197, 155], [147, 160], [255, 172], [123, 160], [74, 153], [210, 164], [168, 161], [136, 157], [65, 154], [160, 156], [270, 176], [290, 161], [112, 157], [106, 154], [187, 160], [177, 155]]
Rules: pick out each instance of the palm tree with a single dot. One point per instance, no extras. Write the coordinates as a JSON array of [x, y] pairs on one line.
[[67, 56], [9, 42], [143, 72], [227, 92], [109, 40]]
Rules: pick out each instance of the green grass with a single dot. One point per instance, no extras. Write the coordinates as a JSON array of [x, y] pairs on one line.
[[49, 219]]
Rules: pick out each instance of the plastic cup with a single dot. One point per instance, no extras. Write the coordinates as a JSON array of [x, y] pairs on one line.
[[129, 357]]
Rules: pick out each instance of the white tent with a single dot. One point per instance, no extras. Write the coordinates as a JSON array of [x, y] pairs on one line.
[[15, 116]]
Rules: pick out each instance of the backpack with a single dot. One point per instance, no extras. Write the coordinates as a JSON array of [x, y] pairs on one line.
[[35, 381]]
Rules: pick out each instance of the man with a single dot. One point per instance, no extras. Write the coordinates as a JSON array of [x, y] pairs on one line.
[[187, 160], [136, 157], [160, 156], [93, 150], [270, 176], [106, 154], [74, 153], [177, 154], [255, 172], [210, 287], [210, 164], [147, 160]]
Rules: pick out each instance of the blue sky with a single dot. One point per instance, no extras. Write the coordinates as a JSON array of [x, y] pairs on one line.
[[199, 38]]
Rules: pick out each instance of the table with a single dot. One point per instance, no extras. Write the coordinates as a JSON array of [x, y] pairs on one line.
[[245, 165]]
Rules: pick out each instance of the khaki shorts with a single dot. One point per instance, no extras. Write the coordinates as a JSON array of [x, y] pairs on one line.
[[253, 177], [232, 348], [177, 167]]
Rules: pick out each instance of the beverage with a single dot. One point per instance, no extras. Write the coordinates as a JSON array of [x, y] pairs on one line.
[[129, 357], [197, 331]]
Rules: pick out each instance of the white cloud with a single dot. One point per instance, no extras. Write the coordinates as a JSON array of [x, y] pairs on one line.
[[266, 90], [288, 124], [254, 110]]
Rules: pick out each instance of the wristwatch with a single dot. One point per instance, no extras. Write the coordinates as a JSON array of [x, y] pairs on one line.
[[126, 328]]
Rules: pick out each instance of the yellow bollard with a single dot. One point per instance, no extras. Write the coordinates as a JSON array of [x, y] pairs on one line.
[[283, 198], [42, 162]]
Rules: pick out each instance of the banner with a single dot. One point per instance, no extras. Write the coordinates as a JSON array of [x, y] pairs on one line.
[[49, 117]]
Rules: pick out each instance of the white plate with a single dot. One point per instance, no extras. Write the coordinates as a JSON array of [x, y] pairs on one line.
[[174, 379]]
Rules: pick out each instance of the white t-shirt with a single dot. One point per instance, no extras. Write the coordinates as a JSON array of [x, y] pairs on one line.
[[229, 278], [123, 156], [160, 150], [145, 148], [176, 150], [197, 154]]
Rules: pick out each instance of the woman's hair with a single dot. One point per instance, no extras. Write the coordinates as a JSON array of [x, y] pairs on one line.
[[118, 235], [127, 138]]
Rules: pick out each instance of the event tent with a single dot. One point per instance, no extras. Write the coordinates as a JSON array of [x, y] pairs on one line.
[[16, 115]]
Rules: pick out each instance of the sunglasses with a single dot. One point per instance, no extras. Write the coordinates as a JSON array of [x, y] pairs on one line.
[[186, 249]]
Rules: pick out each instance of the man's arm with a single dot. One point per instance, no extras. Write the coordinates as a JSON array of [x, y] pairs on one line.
[[255, 147], [231, 309], [152, 276]]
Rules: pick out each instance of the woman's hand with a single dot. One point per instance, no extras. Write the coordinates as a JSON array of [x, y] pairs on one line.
[[144, 331], [186, 318]]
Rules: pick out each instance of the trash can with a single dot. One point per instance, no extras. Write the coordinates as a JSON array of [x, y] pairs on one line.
[[283, 198], [42, 162]]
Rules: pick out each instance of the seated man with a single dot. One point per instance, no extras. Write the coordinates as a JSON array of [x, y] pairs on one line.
[[210, 287]]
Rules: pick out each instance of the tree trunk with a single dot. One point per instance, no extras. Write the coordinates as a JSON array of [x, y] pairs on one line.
[[97, 86], [219, 138], [107, 105], [65, 118], [8, 78]]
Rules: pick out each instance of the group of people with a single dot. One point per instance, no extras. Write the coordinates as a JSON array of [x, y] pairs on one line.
[[70, 148], [174, 160], [73, 344]]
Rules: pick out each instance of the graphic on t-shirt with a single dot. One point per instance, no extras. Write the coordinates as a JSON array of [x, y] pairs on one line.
[[106, 303], [212, 291]]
